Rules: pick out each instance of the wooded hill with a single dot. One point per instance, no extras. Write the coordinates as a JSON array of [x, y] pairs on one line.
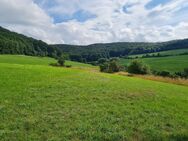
[[95, 51], [14, 43]]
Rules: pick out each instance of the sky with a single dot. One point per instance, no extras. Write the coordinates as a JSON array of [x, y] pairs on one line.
[[84, 22]]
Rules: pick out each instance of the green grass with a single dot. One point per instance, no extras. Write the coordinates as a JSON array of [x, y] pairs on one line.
[[29, 60], [80, 65], [40, 102], [171, 63], [169, 52]]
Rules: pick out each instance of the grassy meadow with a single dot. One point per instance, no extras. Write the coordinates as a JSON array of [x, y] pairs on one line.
[[29, 60], [171, 63], [169, 52], [41, 102]]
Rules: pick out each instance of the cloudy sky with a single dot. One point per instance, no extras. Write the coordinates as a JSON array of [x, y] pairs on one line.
[[94, 21]]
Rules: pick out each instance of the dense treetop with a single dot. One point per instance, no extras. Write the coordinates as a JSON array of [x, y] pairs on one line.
[[95, 51], [14, 43]]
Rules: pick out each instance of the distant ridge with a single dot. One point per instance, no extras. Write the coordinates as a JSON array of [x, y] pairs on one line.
[[93, 52], [14, 43]]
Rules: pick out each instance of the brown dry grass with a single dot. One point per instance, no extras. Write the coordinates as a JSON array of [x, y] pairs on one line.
[[177, 81]]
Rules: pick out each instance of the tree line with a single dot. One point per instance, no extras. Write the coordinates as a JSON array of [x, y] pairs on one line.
[[94, 52], [14, 43]]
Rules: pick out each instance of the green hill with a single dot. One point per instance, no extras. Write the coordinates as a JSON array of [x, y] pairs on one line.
[[41, 102], [30, 60], [164, 53], [171, 63], [93, 52], [14, 43]]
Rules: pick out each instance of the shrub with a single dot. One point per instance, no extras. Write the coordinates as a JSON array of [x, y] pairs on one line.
[[183, 74], [102, 60], [168, 74], [53, 64], [104, 67], [113, 66], [138, 67], [186, 72], [164, 73], [110, 67], [61, 61], [68, 66], [179, 74]]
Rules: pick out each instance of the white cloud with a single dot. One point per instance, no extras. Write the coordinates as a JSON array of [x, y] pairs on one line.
[[22, 12], [111, 24]]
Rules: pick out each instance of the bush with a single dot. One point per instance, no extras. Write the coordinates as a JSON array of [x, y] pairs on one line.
[[183, 74], [186, 72], [113, 66], [102, 60], [104, 67], [179, 74], [54, 64], [68, 66], [61, 61], [164, 74], [110, 67], [168, 74], [138, 67]]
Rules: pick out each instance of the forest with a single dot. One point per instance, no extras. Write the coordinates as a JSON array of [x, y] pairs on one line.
[[14, 43]]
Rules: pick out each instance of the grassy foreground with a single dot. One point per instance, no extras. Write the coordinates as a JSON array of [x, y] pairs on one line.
[[171, 63], [40, 102]]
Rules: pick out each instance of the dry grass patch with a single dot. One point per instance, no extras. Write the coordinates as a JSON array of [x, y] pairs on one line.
[[178, 81]]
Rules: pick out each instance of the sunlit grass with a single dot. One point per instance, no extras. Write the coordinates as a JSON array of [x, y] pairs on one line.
[[172, 63], [40, 102]]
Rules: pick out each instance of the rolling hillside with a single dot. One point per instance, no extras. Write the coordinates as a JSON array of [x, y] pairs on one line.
[[171, 63], [14, 43], [95, 51], [164, 53], [41, 102], [30, 60]]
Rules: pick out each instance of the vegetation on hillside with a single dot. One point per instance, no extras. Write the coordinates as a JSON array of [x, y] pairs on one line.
[[14, 43], [109, 66], [138, 67], [171, 64], [61, 61], [175, 52], [52, 103], [96, 51], [40, 102]]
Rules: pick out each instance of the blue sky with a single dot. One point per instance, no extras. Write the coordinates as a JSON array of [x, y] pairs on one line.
[[154, 3], [80, 16], [94, 21]]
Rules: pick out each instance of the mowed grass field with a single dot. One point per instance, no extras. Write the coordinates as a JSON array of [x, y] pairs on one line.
[[169, 52], [31, 60], [171, 63], [41, 102]]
